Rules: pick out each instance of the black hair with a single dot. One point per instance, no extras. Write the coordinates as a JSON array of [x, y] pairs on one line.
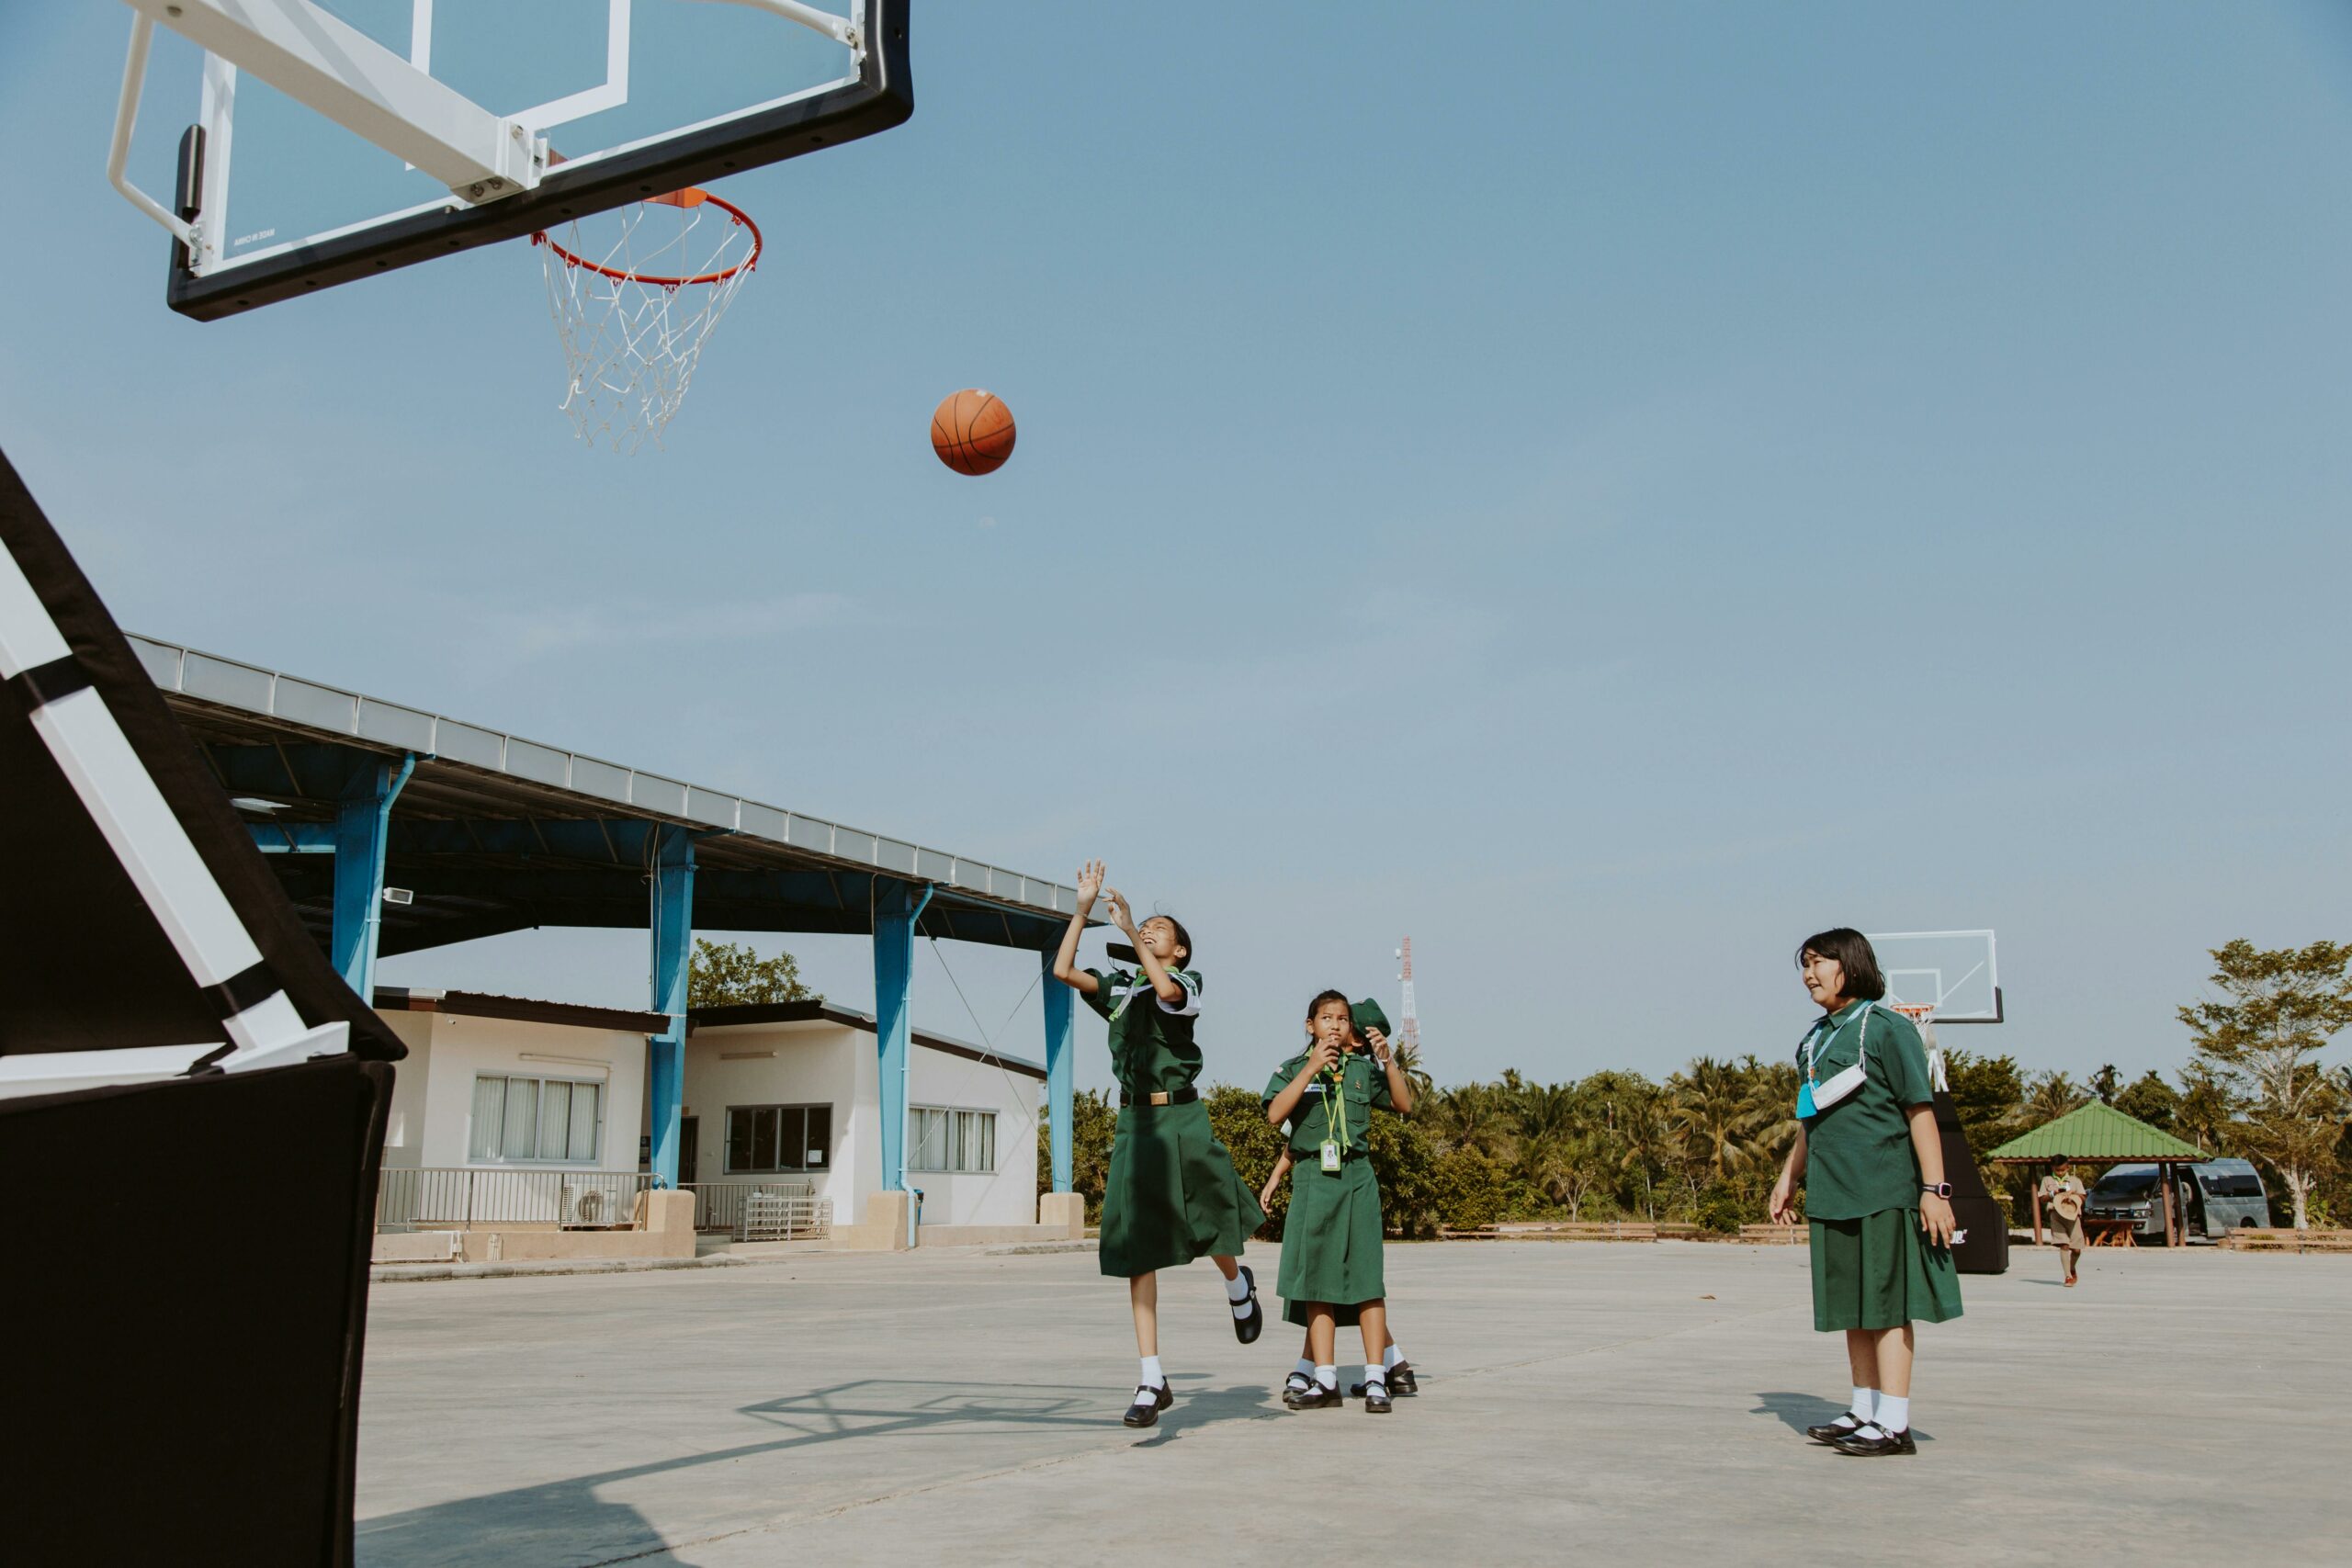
[[1850, 950], [1340, 996]]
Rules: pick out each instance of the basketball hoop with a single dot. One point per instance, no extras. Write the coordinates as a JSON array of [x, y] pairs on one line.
[[1918, 1012], [633, 320]]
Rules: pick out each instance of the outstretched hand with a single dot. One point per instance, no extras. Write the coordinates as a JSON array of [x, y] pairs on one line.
[[1090, 882], [1121, 916]]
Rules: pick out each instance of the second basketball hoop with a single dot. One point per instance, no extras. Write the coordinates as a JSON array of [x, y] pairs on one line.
[[635, 294]]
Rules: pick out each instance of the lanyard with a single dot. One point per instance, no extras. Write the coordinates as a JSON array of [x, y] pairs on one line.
[[1335, 1122], [1826, 1031]]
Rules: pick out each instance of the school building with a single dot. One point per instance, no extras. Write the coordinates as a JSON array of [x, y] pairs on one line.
[[534, 1128]]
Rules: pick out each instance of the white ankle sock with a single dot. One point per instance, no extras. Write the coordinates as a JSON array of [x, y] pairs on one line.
[[1152, 1376], [1865, 1404], [1237, 1290], [1306, 1368], [1892, 1414], [1390, 1357], [1328, 1376], [1376, 1376]]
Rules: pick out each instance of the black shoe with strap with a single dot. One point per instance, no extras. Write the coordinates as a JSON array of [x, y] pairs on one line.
[[1150, 1403], [1249, 1328], [1297, 1383], [1869, 1443], [1401, 1381], [1828, 1432], [1375, 1399], [1316, 1397]]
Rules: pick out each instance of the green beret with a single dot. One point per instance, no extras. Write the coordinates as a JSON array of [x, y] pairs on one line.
[[1367, 1016]]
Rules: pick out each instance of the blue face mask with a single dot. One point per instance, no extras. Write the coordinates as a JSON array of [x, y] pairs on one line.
[[1813, 1100]]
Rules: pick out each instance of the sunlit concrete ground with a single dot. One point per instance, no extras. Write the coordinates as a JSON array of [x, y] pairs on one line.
[[1594, 1403]]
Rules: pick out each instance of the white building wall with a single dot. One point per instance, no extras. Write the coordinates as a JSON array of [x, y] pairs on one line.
[[818, 1062], [448, 1051]]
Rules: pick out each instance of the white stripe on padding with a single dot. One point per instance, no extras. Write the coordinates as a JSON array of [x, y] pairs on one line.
[[28, 638], [54, 1072], [96, 759]]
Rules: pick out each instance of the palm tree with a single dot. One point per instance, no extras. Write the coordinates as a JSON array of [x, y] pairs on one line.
[[2052, 1096], [1714, 1106]]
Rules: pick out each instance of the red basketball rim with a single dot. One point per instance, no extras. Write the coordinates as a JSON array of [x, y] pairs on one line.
[[689, 197]]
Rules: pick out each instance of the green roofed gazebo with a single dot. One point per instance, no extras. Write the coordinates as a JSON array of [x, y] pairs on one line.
[[2103, 1134]]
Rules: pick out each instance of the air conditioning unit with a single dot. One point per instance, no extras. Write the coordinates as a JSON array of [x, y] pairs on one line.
[[587, 1206]]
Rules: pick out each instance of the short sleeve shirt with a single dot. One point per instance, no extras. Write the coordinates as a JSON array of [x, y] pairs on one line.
[[1858, 1154], [1151, 1043], [1345, 1116]]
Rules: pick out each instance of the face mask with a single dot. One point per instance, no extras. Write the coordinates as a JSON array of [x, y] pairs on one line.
[[1813, 1097]]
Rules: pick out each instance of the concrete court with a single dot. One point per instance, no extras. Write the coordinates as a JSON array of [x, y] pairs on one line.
[[1582, 1401]]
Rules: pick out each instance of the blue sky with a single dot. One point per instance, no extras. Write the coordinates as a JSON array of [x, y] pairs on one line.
[[1606, 489]]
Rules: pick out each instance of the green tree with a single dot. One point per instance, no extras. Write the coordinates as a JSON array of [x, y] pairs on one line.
[[1092, 1121], [724, 972], [2261, 1037], [1989, 1094], [2050, 1096], [2104, 1082], [2149, 1099], [2202, 1115], [1719, 1112]]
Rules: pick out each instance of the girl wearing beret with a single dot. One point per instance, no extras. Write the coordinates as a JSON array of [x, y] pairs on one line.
[[1371, 1030], [1331, 1239], [1172, 1194], [1876, 1200]]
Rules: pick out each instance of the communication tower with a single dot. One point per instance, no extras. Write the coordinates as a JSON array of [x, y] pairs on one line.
[[1408, 1036]]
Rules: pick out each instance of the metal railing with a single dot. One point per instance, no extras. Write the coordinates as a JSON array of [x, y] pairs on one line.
[[438, 1197], [719, 1206], [775, 1216]]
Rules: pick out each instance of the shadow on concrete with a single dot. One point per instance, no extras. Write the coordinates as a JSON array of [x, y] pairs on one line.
[[564, 1522], [1798, 1411]]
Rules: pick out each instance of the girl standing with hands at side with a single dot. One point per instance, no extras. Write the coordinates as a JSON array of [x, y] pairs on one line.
[[1879, 1210], [1172, 1194]]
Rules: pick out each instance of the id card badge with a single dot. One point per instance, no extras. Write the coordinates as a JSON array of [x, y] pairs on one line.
[[1330, 1154]]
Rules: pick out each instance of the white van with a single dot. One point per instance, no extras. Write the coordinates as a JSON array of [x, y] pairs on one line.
[[2214, 1198]]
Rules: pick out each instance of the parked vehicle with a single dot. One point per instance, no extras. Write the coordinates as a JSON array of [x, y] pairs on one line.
[[2214, 1198]]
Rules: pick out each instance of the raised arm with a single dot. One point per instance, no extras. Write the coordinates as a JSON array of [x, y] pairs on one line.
[[1065, 969], [1279, 1108], [1400, 1089]]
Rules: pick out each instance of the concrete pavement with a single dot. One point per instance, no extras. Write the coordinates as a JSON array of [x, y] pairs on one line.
[[1591, 1402]]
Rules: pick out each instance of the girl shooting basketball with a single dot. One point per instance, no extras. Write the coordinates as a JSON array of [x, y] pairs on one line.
[[1172, 1194]]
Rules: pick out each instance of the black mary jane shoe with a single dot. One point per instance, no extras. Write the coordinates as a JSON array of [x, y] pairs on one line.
[[1316, 1397], [1297, 1383], [1870, 1447], [1150, 1403], [1830, 1431], [1401, 1382], [1375, 1399], [1247, 1329]]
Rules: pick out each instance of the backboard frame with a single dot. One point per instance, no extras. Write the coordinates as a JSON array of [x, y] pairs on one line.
[[879, 97], [1966, 941]]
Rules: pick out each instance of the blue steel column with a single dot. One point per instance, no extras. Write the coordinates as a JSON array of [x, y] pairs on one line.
[[673, 953], [1060, 1036], [362, 824], [897, 906]]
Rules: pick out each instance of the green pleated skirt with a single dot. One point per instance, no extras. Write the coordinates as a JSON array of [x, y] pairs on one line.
[[1879, 1272], [1331, 1239], [1172, 1194]]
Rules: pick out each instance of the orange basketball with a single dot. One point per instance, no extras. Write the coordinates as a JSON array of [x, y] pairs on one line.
[[972, 431]]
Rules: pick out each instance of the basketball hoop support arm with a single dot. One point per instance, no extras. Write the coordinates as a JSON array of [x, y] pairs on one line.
[[340, 71], [840, 29]]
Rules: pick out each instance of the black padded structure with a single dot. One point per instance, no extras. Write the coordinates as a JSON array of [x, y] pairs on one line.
[[187, 1303]]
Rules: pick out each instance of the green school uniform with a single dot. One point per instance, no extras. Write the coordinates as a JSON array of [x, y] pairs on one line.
[[1172, 1194], [1872, 1265], [1331, 1239]]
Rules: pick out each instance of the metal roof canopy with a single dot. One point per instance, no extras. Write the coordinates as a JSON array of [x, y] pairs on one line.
[[2097, 1132], [494, 833]]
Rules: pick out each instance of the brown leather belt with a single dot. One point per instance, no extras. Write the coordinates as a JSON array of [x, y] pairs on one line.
[[1180, 1097]]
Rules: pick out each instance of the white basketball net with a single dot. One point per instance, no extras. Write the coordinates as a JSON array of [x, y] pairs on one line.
[[635, 294]]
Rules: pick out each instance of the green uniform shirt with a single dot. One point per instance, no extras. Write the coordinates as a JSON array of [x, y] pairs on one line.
[[1857, 1155], [1151, 1043], [1317, 1116]]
